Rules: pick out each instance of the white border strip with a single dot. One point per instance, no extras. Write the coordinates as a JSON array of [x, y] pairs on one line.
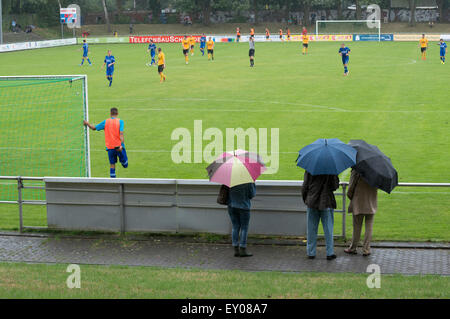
[[19, 46]]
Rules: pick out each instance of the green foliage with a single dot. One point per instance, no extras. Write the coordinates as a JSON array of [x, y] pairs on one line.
[[20, 280], [231, 5]]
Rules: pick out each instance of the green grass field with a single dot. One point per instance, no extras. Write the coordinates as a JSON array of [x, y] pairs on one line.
[[18, 280], [391, 99]]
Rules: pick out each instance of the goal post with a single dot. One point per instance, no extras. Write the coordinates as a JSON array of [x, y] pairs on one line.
[[41, 127], [349, 27]]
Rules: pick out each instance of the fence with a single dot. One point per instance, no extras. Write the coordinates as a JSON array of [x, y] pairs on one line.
[[167, 205]]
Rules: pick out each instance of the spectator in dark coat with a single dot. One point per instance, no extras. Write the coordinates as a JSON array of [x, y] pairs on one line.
[[239, 210], [317, 193]]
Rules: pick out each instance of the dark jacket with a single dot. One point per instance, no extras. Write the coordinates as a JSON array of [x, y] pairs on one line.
[[240, 196], [317, 191]]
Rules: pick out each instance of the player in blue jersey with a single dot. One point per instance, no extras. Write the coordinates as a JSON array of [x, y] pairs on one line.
[[344, 52], [152, 50], [202, 44], [85, 49], [109, 62], [443, 50]]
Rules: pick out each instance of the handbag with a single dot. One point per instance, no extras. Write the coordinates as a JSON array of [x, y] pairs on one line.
[[224, 194]]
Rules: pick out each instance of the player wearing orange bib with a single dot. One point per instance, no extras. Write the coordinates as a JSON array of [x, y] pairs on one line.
[[185, 44], [288, 32], [210, 48], [252, 32], [238, 34], [114, 140], [305, 41], [267, 35], [281, 34], [423, 45]]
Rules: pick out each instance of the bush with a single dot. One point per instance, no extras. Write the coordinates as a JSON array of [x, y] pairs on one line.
[[122, 19], [238, 19]]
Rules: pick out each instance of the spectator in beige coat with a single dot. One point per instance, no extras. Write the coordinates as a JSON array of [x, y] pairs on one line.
[[363, 205]]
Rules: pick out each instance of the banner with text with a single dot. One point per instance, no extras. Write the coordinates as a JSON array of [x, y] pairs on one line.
[[328, 37], [416, 37], [105, 40], [160, 38], [373, 37], [36, 45]]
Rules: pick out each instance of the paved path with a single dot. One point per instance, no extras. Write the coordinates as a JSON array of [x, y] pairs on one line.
[[215, 256]]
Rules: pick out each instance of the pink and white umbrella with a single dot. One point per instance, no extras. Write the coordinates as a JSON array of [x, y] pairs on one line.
[[235, 168]]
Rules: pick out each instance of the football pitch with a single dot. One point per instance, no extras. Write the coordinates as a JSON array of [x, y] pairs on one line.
[[391, 99]]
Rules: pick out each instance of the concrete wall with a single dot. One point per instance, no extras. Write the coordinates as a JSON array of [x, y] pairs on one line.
[[168, 205]]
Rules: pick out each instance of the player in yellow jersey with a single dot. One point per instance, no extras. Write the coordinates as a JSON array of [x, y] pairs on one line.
[[161, 65], [210, 48], [186, 44], [423, 45], [305, 41], [192, 43]]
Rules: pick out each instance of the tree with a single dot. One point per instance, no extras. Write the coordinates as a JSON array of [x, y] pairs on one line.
[[358, 9], [306, 9], [339, 9], [155, 6], [441, 4], [255, 8], [206, 11], [105, 9], [412, 10]]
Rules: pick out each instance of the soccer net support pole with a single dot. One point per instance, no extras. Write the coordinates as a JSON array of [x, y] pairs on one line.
[[1, 23], [379, 30]]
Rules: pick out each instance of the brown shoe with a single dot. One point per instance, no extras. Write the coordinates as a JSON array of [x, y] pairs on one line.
[[350, 251]]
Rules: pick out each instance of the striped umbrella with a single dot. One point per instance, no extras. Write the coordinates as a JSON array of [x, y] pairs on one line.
[[235, 168]]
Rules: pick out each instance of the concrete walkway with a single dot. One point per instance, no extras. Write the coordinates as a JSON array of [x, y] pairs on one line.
[[176, 253]]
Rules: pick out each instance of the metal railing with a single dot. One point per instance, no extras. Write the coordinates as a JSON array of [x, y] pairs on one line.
[[21, 201]]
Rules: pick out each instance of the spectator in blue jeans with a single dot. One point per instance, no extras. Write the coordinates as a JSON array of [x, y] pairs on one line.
[[317, 193], [239, 210]]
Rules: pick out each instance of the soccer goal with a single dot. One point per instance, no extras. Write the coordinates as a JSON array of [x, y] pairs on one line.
[[349, 27], [41, 127]]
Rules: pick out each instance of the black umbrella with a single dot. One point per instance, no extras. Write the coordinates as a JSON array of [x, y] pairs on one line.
[[375, 167]]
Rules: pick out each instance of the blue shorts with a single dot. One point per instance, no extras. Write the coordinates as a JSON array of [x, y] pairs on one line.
[[442, 53], [152, 54], [113, 154], [345, 60], [85, 55], [109, 71], [202, 46]]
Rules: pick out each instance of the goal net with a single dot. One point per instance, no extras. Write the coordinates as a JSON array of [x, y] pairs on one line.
[[348, 27], [41, 129]]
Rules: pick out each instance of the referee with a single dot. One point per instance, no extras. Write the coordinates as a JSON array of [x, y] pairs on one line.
[[251, 51]]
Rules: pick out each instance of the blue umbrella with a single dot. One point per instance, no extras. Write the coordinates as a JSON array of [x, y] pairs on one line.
[[326, 157]]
